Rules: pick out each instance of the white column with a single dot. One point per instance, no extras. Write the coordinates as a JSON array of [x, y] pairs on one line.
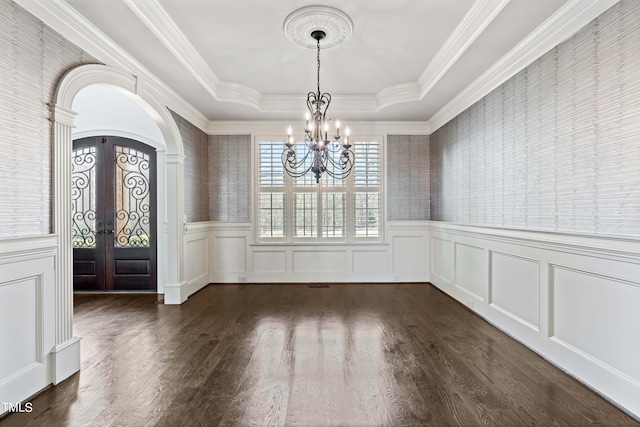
[[174, 292], [66, 353], [162, 225]]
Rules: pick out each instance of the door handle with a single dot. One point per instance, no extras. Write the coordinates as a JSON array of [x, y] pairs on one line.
[[108, 231]]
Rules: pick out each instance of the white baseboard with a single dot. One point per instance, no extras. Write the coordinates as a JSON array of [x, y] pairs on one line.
[[178, 294], [175, 294], [65, 360]]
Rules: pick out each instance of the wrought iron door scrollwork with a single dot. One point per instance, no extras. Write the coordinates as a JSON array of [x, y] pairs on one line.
[[132, 197], [83, 198]]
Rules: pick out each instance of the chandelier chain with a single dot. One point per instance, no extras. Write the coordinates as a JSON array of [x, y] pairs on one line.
[[318, 66]]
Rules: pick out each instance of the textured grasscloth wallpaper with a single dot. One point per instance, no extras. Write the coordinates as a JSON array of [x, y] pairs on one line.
[[407, 177], [33, 58], [196, 170], [230, 180], [557, 147]]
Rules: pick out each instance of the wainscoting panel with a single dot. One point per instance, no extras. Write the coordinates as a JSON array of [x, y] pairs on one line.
[[409, 255], [19, 307], [319, 261], [230, 256], [598, 316], [410, 250], [514, 287], [196, 264], [470, 270], [27, 318], [235, 257], [573, 298], [269, 261], [370, 261], [196, 257], [441, 260]]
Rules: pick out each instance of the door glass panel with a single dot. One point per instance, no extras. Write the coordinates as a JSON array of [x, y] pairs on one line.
[[83, 198], [132, 198]]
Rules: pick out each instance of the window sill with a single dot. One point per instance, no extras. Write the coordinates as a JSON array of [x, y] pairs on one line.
[[315, 244]]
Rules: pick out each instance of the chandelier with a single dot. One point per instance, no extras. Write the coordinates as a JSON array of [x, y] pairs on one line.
[[319, 153]]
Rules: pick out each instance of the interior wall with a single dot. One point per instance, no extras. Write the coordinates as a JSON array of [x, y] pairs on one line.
[[230, 179], [32, 60], [556, 146], [408, 178], [196, 170]]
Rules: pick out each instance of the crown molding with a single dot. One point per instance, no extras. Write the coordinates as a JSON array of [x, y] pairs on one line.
[[398, 94], [61, 17], [273, 127], [241, 94], [340, 104], [158, 21], [477, 19], [481, 14], [563, 24]]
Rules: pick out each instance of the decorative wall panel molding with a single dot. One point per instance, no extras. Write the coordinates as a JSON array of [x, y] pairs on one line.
[[514, 287], [590, 310], [469, 260], [230, 255], [197, 258], [269, 261], [27, 324], [441, 260], [573, 303], [367, 261], [235, 257]]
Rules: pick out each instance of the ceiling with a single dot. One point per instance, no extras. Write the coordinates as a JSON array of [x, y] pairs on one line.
[[406, 59]]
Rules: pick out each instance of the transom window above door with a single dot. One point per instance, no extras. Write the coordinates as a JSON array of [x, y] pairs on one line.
[[332, 210]]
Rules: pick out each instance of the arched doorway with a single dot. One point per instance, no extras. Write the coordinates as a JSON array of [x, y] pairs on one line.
[[170, 198]]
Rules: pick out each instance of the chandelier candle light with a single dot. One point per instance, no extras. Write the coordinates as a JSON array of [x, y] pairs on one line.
[[332, 156]]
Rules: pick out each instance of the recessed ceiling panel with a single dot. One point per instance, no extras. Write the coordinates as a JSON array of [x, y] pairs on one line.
[[192, 45], [244, 42]]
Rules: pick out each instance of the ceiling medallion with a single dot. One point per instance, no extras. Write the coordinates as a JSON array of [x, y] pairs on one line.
[[336, 24]]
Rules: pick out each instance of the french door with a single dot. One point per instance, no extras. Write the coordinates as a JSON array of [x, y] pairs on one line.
[[114, 215]]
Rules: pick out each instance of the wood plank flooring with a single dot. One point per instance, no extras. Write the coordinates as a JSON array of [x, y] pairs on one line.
[[353, 355]]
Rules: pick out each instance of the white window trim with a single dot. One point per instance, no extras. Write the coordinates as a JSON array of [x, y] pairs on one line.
[[289, 238]]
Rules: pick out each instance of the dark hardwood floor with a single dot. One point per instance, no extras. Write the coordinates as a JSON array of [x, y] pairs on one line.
[[354, 355]]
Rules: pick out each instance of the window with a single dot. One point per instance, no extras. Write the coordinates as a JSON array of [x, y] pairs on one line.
[[333, 210]]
